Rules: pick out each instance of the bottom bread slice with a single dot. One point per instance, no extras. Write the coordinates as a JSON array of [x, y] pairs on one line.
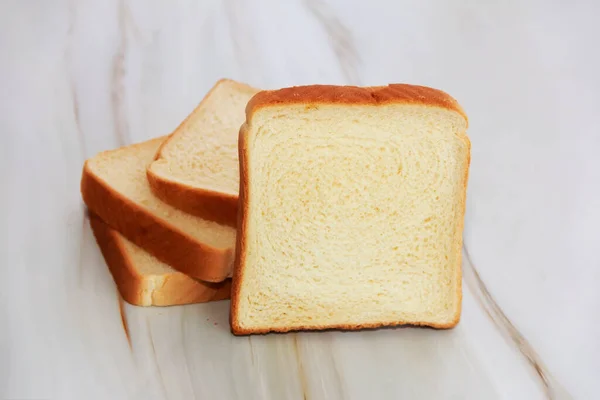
[[143, 280]]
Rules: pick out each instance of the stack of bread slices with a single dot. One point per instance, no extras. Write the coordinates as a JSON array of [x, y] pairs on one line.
[[312, 207]]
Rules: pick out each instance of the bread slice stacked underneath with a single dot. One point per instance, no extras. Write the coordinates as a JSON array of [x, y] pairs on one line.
[[353, 203], [114, 187], [164, 211], [143, 280], [196, 169]]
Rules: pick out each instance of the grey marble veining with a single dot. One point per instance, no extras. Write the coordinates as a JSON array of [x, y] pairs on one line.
[[81, 77]]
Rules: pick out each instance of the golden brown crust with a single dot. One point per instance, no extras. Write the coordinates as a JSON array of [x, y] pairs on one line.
[[154, 235], [317, 95], [238, 331], [176, 288], [242, 225], [352, 95], [460, 229], [213, 206], [204, 203]]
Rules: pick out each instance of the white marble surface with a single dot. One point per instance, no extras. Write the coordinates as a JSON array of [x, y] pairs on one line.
[[78, 77]]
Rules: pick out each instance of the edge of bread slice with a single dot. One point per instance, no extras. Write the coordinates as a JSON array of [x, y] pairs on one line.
[[309, 98], [143, 280], [114, 187], [196, 168]]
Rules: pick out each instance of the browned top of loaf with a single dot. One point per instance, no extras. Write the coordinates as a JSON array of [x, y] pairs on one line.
[[353, 95]]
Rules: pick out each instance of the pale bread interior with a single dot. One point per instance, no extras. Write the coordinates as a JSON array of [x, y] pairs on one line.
[[354, 218], [203, 153], [124, 170]]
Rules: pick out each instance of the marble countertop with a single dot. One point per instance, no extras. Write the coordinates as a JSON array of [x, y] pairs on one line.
[[78, 77]]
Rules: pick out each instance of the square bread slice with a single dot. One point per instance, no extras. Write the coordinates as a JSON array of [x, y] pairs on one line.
[[197, 168], [143, 280], [352, 209], [114, 187]]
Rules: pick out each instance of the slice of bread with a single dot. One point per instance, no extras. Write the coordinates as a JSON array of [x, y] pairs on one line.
[[197, 168], [143, 280], [114, 187], [352, 209]]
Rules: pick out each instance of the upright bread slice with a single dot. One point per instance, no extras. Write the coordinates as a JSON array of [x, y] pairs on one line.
[[114, 186], [197, 167], [143, 280], [352, 208]]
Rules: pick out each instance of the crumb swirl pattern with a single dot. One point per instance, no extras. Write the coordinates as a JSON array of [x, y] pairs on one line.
[[354, 217]]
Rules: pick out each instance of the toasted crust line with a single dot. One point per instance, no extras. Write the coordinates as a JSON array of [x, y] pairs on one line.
[[329, 95], [242, 225], [353, 95], [239, 331], [204, 203]]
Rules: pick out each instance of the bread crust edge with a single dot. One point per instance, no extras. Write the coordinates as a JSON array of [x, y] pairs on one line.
[[238, 331], [152, 234], [175, 289], [240, 246], [207, 204], [314, 95]]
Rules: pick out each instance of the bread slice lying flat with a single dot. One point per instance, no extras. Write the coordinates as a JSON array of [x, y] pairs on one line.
[[143, 280], [197, 167], [114, 187], [353, 203]]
